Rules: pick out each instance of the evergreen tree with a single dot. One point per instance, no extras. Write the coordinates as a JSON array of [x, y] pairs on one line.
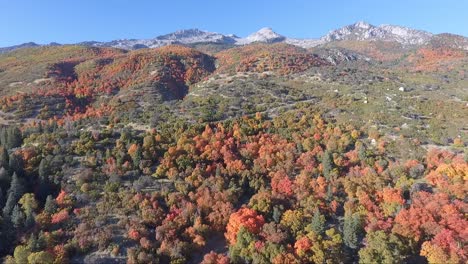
[[43, 170], [277, 213], [1, 198], [352, 231], [137, 158], [4, 178], [17, 217], [13, 195], [327, 163], [3, 136], [15, 138], [37, 242], [362, 153], [3, 157], [44, 187], [50, 205], [16, 164], [318, 222], [6, 234]]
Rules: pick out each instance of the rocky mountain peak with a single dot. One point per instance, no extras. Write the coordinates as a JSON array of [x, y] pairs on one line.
[[265, 34]]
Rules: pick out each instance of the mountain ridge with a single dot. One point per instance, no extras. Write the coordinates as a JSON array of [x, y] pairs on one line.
[[360, 31]]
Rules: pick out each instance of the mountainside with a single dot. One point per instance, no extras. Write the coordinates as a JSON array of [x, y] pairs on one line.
[[199, 147], [363, 31], [21, 46], [360, 31]]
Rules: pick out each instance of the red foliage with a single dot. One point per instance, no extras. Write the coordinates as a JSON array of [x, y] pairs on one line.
[[214, 258], [134, 234], [60, 217], [281, 184], [280, 58]]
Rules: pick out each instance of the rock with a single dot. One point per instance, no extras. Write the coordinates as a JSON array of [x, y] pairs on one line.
[[401, 89]]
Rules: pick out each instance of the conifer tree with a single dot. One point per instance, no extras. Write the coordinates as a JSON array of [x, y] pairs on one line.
[[351, 231], [3, 157], [17, 217], [318, 222], [327, 163], [14, 137], [13, 195], [50, 205]]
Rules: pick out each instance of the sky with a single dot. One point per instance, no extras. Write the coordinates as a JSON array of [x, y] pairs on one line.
[[71, 21]]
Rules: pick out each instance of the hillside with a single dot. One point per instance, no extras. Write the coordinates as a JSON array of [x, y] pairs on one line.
[[209, 148]]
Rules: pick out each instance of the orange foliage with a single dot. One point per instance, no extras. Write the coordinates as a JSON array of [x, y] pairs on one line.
[[280, 58], [434, 59], [244, 217]]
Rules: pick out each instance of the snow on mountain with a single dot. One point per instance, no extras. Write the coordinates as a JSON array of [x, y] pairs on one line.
[[187, 36], [360, 31], [363, 31], [304, 43], [266, 35], [196, 36]]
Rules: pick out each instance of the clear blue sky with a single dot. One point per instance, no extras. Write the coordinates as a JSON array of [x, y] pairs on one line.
[[70, 21]]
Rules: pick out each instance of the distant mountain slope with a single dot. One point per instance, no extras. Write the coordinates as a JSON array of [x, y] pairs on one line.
[[363, 31], [279, 58], [360, 31], [21, 46]]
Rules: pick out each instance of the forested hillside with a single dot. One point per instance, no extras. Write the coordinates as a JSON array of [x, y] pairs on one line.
[[353, 151]]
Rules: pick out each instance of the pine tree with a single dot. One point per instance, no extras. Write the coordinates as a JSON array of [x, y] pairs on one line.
[[17, 217], [7, 233], [137, 158], [44, 182], [277, 213], [327, 163], [33, 243], [50, 205], [3, 157], [16, 164], [318, 222], [15, 138], [13, 195], [352, 231], [43, 170], [3, 136], [4, 178]]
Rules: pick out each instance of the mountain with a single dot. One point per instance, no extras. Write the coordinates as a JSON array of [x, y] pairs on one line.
[[20, 46], [360, 31], [363, 31], [187, 36], [266, 35], [218, 148], [197, 36]]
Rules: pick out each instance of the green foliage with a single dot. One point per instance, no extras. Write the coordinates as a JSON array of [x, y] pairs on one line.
[[10, 137], [327, 163], [40, 257], [21, 254], [318, 222], [382, 248], [50, 205], [14, 193], [352, 231]]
